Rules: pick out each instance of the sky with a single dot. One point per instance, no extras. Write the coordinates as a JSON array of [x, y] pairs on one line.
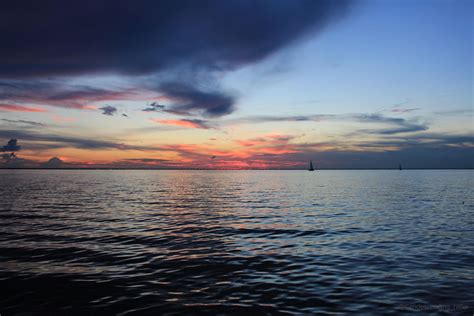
[[236, 84]]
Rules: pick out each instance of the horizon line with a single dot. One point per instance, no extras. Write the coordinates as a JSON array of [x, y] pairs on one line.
[[223, 169]]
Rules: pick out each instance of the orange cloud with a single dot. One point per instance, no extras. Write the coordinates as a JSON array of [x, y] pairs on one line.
[[90, 107], [184, 123], [271, 139], [251, 142], [279, 150], [19, 108]]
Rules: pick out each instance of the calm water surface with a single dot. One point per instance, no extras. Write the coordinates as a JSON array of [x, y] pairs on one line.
[[236, 242]]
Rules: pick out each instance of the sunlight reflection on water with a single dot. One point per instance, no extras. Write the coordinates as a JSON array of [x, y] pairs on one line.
[[235, 241]]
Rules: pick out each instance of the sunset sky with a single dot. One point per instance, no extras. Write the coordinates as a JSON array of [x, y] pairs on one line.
[[237, 84]]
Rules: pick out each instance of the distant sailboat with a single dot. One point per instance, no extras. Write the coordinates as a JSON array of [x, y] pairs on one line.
[[311, 166], [399, 166]]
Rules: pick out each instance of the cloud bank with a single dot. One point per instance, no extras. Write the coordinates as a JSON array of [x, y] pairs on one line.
[[183, 44]]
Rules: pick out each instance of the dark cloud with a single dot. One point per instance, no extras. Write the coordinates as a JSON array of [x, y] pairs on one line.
[[147, 35], [188, 99], [11, 146], [184, 39], [291, 118], [57, 93], [154, 107], [54, 162], [13, 161], [396, 124], [58, 141], [401, 125], [409, 157], [108, 110], [436, 139], [8, 157], [24, 122], [429, 150]]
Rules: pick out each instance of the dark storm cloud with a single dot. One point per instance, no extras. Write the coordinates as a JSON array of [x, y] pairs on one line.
[[73, 37], [108, 110], [184, 39], [11, 146], [188, 99]]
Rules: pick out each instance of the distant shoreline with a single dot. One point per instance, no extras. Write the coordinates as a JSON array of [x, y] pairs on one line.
[[204, 169]]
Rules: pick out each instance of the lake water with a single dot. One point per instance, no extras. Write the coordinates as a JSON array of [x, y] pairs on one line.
[[236, 242]]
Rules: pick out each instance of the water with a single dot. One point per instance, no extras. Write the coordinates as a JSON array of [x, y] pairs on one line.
[[236, 242]]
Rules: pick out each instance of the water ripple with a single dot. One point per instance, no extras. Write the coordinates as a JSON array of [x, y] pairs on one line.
[[236, 242]]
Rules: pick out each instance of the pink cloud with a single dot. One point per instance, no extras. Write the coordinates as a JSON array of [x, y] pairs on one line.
[[271, 139], [252, 142], [184, 123], [19, 108]]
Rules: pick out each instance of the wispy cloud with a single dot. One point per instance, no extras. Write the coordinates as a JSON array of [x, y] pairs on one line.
[[273, 139], [60, 141], [23, 122], [190, 123], [59, 93], [404, 110], [396, 125], [400, 125], [19, 108], [455, 112]]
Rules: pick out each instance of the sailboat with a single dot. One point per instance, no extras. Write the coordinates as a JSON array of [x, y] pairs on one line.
[[311, 166]]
